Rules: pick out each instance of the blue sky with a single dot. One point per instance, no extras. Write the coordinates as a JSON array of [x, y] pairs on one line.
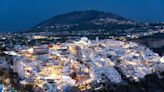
[[23, 14]]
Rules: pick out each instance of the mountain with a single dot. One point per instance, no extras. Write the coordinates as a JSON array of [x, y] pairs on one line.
[[79, 17], [85, 20]]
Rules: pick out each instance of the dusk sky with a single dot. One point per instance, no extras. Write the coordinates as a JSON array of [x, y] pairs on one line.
[[23, 14]]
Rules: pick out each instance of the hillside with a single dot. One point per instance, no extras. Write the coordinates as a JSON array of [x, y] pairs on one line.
[[155, 42], [86, 20]]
